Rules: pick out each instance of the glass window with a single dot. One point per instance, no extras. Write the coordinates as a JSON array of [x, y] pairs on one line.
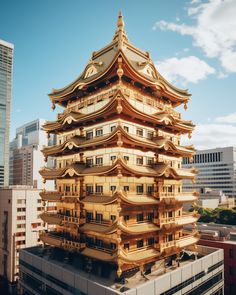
[[126, 188], [139, 132], [126, 246], [150, 189], [113, 128], [139, 243], [99, 189], [113, 217], [99, 217], [89, 162], [113, 158], [150, 216], [150, 241], [113, 188], [99, 132], [150, 161], [99, 161], [89, 134], [126, 217], [149, 134], [126, 128], [89, 188], [139, 217], [139, 160], [139, 189]]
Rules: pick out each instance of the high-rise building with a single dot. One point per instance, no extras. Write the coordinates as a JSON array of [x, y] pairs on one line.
[[20, 223], [216, 170], [118, 173], [222, 236], [26, 157], [6, 66]]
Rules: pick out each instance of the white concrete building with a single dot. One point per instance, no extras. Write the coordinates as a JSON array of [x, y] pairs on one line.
[[26, 158], [52, 271], [216, 170], [20, 224]]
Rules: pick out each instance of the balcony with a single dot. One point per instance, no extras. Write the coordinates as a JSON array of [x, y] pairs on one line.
[[51, 196], [102, 222], [52, 218], [51, 239], [63, 241], [73, 219]]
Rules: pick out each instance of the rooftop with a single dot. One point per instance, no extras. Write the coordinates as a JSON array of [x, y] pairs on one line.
[[72, 262]]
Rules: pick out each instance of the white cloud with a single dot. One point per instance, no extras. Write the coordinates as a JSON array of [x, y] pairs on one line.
[[184, 70], [214, 30], [231, 119], [208, 136]]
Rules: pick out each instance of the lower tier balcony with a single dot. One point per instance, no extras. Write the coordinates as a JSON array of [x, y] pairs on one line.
[[62, 241], [51, 196], [52, 218]]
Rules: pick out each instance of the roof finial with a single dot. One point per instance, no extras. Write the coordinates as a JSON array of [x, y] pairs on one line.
[[120, 34]]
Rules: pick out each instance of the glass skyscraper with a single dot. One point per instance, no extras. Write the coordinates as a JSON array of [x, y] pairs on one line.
[[6, 63]]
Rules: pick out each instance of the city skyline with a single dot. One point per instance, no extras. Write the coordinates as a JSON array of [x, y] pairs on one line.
[[54, 51]]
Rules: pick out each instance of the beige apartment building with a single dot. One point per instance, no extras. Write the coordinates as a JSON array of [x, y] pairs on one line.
[[20, 209]]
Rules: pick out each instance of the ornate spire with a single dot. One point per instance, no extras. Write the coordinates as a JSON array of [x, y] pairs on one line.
[[120, 34]]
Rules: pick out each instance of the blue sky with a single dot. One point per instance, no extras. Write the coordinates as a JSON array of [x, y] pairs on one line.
[[192, 43]]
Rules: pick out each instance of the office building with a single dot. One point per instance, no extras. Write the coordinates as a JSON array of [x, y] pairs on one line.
[[223, 237], [26, 158], [118, 173], [6, 67], [216, 170], [51, 271], [20, 209]]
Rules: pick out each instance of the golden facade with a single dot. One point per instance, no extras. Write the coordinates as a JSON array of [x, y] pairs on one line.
[[118, 162]]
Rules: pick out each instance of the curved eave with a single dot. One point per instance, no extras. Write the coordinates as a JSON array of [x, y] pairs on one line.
[[119, 134], [176, 95], [118, 168], [111, 108]]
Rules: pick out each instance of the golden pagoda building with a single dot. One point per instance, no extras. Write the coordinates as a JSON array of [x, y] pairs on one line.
[[118, 167]]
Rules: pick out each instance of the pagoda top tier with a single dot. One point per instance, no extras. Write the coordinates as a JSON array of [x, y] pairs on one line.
[[120, 60]]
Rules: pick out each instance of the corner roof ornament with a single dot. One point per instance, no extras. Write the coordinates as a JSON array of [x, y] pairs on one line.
[[120, 34]]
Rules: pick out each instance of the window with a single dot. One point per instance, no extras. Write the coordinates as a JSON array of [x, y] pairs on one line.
[[150, 241], [231, 253], [89, 162], [113, 128], [169, 238], [99, 189], [89, 134], [113, 158], [99, 161], [126, 188], [89, 188], [113, 188], [126, 246], [170, 214], [113, 217], [113, 246], [99, 217], [139, 217], [139, 132], [126, 128], [139, 189], [21, 209], [139, 160], [126, 158], [89, 216], [150, 161], [150, 189], [139, 243], [126, 217], [149, 134], [99, 132], [150, 216], [99, 243]]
